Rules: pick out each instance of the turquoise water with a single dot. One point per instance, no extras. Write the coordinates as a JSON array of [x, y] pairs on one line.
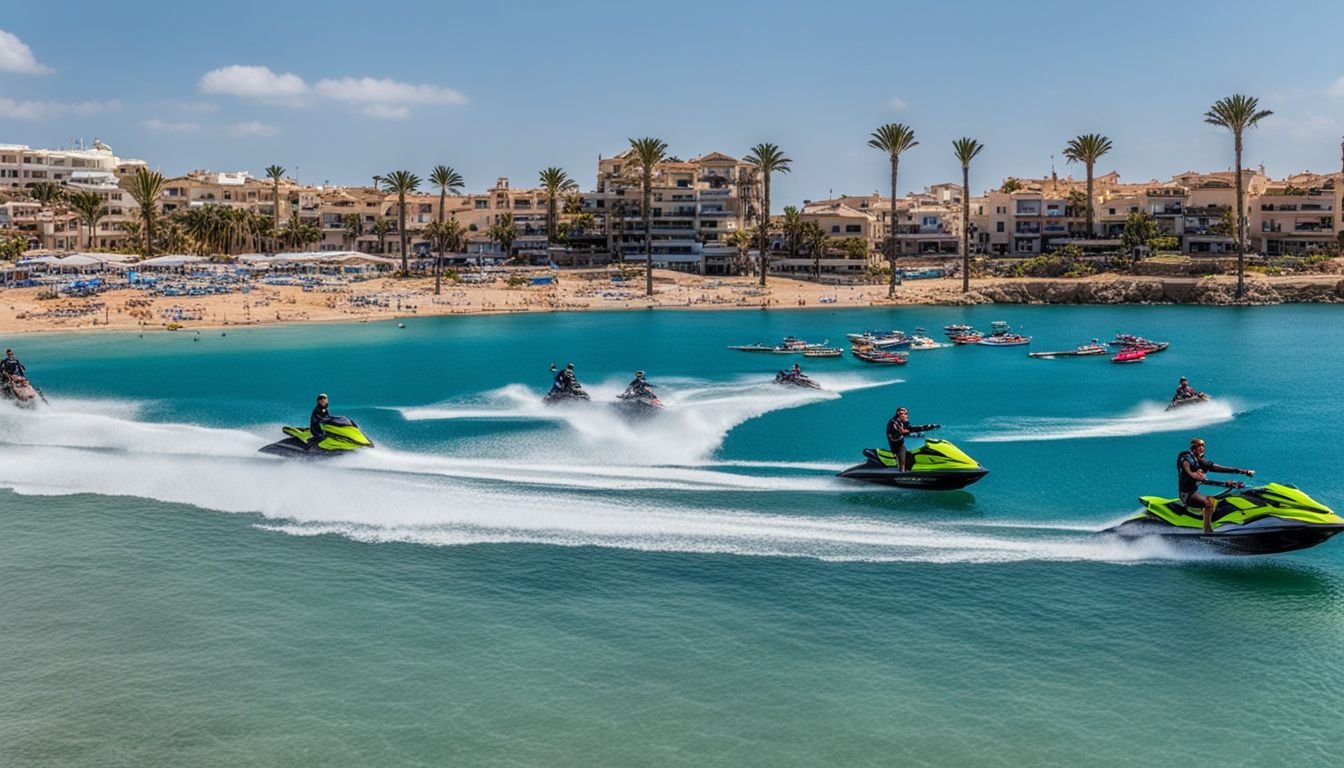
[[503, 584]]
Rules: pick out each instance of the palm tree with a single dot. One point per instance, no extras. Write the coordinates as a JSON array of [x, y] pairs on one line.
[[649, 152], [766, 159], [146, 185], [502, 232], [48, 193], [966, 149], [380, 228], [814, 236], [793, 230], [1237, 113], [1087, 149], [447, 180], [275, 173], [443, 236], [402, 183], [555, 182], [741, 240], [354, 227], [89, 205], [894, 139]]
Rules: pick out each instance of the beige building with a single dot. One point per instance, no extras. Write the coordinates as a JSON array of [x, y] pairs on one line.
[[695, 205]]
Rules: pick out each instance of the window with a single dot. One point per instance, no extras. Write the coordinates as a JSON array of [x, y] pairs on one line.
[[998, 226], [1112, 210], [480, 204], [854, 228], [835, 229]]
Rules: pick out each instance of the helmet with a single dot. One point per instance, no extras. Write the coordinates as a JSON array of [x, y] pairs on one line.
[[569, 366], [1196, 441], [1183, 379], [322, 396], [639, 374], [9, 351]]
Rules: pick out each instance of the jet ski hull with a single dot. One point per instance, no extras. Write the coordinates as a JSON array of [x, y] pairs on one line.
[[555, 397], [294, 448], [1266, 520], [937, 465], [933, 480], [1263, 537]]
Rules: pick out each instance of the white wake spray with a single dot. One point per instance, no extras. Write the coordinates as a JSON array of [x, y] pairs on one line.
[[1147, 418]]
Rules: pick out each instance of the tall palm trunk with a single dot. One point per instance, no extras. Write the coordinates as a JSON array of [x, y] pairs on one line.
[[765, 226], [1241, 221], [891, 236], [648, 238], [965, 228], [1091, 225], [438, 262]]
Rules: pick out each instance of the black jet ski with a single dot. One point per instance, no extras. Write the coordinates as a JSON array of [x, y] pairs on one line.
[[937, 465], [641, 402], [791, 379], [340, 435], [573, 394], [1182, 402], [1246, 521]]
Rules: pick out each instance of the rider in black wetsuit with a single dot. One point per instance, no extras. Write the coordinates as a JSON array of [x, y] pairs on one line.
[[319, 417], [10, 367], [638, 388], [1184, 391], [1191, 467], [898, 428]]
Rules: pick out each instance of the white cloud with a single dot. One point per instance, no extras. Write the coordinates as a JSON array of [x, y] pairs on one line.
[[16, 56], [385, 112], [46, 110], [252, 128], [163, 126], [896, 103], [369, 90], [253, 82], [193, 106], [1337, 88]]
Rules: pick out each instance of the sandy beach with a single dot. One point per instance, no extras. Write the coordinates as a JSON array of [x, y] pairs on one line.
[[22, 311]]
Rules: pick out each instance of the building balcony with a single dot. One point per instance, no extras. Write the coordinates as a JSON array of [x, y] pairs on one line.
[[1027, 230], [1167, 210], [1028, 211]]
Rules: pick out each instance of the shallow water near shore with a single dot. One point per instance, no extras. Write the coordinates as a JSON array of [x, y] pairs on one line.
[[501, 583]]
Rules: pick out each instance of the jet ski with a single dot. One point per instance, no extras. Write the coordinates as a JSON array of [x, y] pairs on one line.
[[937, 466], [1246, 521], [340, 435], [558, 395], [639, 403], [1181, 402], [795, 380], [21, 391]]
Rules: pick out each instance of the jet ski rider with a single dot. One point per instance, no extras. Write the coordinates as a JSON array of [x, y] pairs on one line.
[[565, 380], [10, 367], [638, 388], [1184, 391], [319, 417], [792, 374], [1191, 469], [898, 429]]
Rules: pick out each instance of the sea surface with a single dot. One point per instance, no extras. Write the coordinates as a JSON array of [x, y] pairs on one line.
[[500, 583]]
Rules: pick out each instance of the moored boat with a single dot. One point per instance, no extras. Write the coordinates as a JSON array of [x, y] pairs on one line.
[[1005, 340], [880, 357], [1083, 350], [823, 352], [1130, 355], [924, 342]]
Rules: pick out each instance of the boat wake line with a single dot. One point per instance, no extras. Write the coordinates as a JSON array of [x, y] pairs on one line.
[[1147, 418], [695, 421]]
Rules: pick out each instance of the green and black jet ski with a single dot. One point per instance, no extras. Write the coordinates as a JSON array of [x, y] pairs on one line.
[[937, 466], [1246, 521], [340, 435]]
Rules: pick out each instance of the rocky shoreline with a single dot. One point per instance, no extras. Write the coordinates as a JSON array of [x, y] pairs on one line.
[[1321, 289]]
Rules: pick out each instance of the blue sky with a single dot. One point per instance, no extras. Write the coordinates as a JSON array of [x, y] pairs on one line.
[[338, 93]]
